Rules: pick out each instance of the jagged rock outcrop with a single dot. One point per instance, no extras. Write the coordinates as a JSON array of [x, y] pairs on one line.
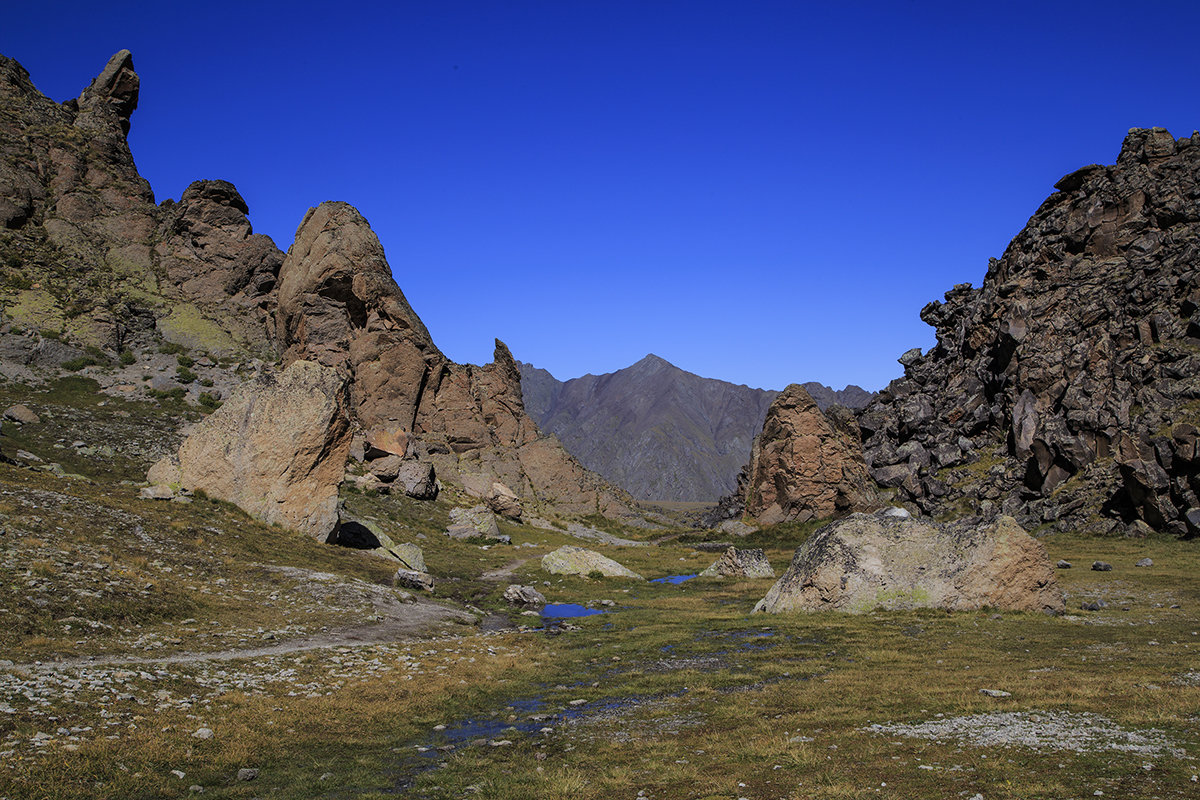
[[869, 561], [804, 467], [1064, 390], [338, 304], [277, 449], [90, 253]]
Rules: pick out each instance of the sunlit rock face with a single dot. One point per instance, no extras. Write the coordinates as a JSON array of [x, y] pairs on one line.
[[339, 305]]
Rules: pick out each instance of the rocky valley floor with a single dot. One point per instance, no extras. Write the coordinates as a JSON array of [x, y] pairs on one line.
[[173, 649]]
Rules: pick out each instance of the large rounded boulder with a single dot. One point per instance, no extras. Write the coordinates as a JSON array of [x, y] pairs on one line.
[[869, 561]]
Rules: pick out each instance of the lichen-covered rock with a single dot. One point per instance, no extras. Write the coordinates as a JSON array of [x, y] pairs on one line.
[[802, 467], [740, 563], [410, 555], [112, 267], [869, 561], [570, 560], [475, 521], [277, 449], [1062, 390]]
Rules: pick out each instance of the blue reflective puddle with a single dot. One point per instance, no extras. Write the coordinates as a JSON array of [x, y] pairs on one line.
[[559, 610], [676, 579]]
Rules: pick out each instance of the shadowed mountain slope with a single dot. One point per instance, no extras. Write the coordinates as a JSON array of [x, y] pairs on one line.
[[656, 430]]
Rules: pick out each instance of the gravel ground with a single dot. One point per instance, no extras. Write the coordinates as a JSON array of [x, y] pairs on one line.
[[1039, 730]]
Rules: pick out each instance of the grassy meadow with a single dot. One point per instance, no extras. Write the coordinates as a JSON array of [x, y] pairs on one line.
[[156, 649]]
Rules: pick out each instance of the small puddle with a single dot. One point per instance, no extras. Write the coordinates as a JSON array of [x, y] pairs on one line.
[[561, 610], [524, 717], [676, 579]]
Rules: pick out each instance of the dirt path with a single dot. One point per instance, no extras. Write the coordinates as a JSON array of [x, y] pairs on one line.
[[506, 572], [400, 621]]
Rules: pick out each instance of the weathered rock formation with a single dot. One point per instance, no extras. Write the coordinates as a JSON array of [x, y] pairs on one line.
[[869, 561], [338, 304], [1064, 390], [277, 449], [804, 467], [570, 560], [740, 563], [92, 256]]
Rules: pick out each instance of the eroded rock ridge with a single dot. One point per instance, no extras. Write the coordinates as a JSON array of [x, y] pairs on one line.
[[1065, 390]]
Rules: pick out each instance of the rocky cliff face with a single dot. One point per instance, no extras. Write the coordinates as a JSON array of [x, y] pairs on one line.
[[89, 255], [804, 466], [1066, 389], [339, 305]]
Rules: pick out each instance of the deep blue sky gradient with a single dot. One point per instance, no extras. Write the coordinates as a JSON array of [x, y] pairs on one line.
[[763, 192]]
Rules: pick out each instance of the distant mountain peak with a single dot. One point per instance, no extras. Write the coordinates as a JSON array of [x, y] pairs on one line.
[[651, 363], [657, 430]]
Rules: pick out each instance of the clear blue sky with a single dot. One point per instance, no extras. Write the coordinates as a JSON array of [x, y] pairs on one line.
[[763, 192]]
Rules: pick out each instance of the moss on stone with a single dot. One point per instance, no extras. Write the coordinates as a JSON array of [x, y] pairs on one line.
[[187, 326], [36, 308]]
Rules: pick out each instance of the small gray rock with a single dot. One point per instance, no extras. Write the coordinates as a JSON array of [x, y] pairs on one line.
[[1063, 564], [247, 774], [1094, 605], [1145, 562], [203, 733], [995, 693], [1101, 566], [411, 579], [524, 596]]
